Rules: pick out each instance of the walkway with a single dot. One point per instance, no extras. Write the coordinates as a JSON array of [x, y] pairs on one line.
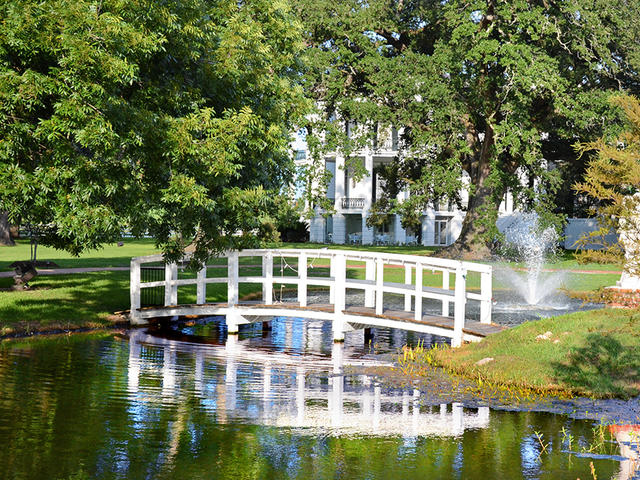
[[301, 267]]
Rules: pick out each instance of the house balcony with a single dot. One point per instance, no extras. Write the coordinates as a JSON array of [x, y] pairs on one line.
[[352, 203], [386, 146]]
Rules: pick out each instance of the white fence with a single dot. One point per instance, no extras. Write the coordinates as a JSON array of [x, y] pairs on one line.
[[304, 264]]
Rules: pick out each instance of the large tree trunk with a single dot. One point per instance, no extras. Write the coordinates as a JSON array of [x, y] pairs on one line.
[[6, 238], [474, 242]]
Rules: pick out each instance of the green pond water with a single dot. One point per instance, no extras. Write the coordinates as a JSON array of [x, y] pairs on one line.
[[135, 405]]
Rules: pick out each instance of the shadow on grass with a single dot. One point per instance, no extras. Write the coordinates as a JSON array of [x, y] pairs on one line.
[[65, 301], [603, 366]]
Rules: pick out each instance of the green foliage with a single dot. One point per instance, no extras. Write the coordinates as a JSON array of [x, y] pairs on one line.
[[612, 179], [171, 119], [483, 87]]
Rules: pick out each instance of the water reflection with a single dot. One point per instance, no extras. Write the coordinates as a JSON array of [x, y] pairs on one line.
[[147, 406], [266, 389]]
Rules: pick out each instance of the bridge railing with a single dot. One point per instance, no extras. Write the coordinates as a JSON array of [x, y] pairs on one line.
[[297, 264]]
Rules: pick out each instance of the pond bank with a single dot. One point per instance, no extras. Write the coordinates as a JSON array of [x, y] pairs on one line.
[[594, 353], [439, 386]]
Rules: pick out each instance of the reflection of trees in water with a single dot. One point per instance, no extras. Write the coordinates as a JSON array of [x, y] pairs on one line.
[[156, 412]]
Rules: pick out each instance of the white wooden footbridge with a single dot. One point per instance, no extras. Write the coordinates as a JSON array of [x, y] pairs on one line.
[[306, 269]]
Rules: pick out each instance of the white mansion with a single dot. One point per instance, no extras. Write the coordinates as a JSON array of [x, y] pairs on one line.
[[441, 224]]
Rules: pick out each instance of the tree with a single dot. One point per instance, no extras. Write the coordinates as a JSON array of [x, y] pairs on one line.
[[5, 230], [613, 180], [484, 90], [170, 119]]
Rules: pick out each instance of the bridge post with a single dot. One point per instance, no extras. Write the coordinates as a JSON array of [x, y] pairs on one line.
[[485, 292], [170, 289], [332, 274], [134, 292], [302, 279], [445, 286], [418, 311], [233, 261], [379, 285], [407, 281], [232, 278], [267, 273], [459, 308], [232, 321], [370, 274], [202, 285], [340, 268]]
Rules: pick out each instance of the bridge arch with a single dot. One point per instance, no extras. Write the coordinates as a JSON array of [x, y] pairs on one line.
[[305, 268]]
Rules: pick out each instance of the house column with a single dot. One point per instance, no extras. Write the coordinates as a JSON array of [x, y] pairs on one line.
[[316, 229], [367, 232], [339, 180], [339, 222], [400, 233], [428, 227], [368, 181]]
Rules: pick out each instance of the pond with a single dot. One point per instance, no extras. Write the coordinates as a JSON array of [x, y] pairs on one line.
[[190, 403]]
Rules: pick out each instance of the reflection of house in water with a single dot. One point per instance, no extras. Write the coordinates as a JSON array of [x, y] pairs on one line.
[[270, 388]]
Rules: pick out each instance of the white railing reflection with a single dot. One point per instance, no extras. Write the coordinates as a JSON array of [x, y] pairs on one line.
[[268, 392]]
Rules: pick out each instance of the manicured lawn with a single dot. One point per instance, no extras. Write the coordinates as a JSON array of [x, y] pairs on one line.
[[64, 301], [86, 300], [110, 256], [400, 249], [594, 353]]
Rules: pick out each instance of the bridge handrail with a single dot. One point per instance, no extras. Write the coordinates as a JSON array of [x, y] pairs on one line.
[[392, 258], [373, 285]]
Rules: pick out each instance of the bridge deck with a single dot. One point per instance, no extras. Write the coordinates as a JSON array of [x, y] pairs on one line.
[[471, 327]]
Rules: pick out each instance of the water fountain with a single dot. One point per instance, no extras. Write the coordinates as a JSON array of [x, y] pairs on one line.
[[532, 245], [532, 291]]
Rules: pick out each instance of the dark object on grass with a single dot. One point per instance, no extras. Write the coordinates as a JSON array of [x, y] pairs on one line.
[[25, 271], [38, 264], [120, 244], [296, 232]]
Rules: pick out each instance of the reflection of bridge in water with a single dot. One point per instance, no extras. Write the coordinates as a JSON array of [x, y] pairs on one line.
[[302, 269], [271, 388]]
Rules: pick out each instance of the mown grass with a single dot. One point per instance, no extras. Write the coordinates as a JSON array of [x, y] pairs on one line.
[[110, 256], [594, 353], [64, 302]]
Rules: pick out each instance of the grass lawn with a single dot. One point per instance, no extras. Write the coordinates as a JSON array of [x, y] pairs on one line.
[[594, 353], [110, 256], [64, 302]]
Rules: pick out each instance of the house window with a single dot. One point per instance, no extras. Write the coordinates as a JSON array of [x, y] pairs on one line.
[[384, 228], [441, 231], [328, 230]]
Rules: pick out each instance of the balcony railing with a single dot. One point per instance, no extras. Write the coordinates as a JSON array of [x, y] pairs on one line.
[[350, 202]]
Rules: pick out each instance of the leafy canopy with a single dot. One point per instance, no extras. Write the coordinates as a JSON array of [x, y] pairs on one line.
[[484, 89], [168, 118]]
